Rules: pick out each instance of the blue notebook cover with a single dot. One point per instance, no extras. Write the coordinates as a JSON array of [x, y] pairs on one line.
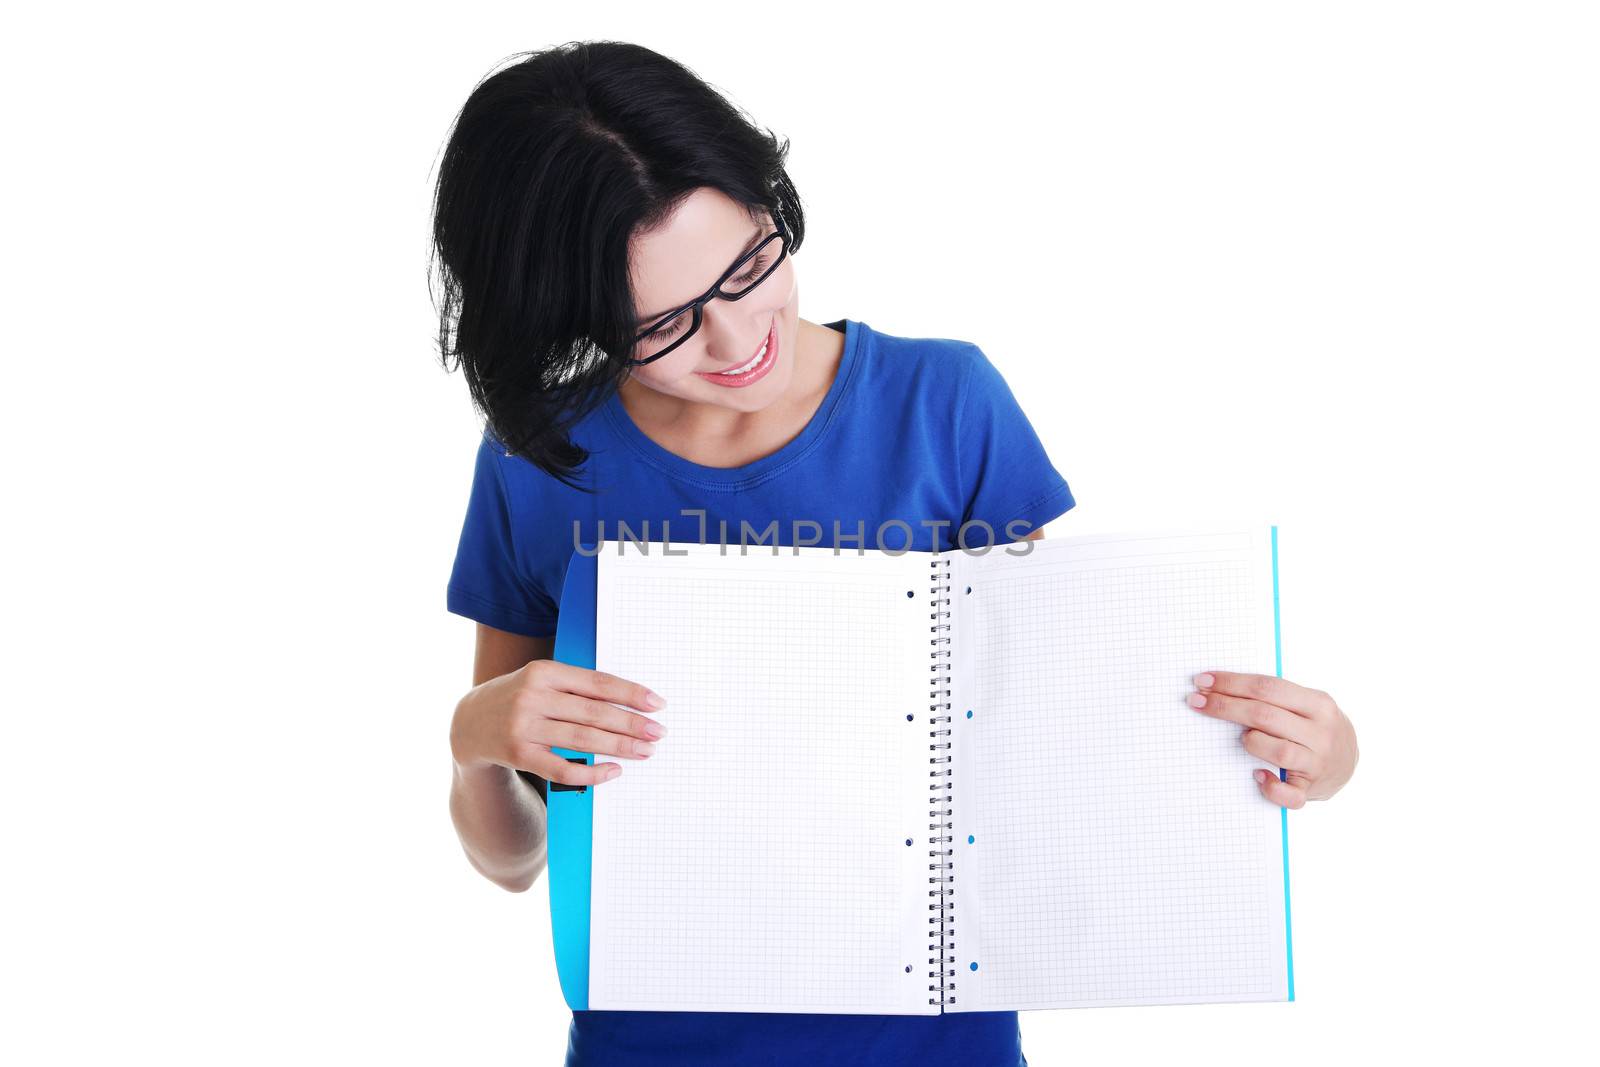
[[571, 811]]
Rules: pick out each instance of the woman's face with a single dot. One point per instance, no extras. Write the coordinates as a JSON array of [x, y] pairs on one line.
[[679, 261]]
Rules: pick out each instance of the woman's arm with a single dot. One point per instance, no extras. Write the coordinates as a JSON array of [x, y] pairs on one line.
[[526, 704], [499, 817]]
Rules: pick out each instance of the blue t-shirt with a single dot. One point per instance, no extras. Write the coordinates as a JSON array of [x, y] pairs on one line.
[[918, 442]]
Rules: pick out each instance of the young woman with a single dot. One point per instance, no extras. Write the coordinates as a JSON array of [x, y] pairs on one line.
[[617, 249]]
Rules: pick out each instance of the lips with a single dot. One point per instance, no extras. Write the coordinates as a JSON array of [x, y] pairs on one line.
[[754, 374]]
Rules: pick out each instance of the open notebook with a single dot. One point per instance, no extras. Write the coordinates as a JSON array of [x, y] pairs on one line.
[[924, 782]]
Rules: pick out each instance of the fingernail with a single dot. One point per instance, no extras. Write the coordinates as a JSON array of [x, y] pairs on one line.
[[652, 699], [1204, 681], [1261, 777], [611, 772], [655, 729], [1196, 700], [643, 748]]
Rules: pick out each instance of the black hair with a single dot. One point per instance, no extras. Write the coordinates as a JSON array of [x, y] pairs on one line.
[[552, 165]]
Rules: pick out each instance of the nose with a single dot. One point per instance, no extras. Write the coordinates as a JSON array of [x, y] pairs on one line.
[[734, 334]]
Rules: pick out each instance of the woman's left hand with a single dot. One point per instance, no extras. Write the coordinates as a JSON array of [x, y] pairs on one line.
[[1301, 730]]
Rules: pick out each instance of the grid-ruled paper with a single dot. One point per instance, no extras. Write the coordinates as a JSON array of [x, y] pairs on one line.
[[758, 861], [1121, 852]]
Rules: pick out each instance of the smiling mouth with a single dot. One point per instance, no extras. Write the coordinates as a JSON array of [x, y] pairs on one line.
[[752, 369], [757, 358]]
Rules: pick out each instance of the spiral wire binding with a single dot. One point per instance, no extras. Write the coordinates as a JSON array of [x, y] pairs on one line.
[[942, 960]]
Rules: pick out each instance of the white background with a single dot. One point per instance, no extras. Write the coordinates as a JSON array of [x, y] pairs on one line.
[[1330, 265]]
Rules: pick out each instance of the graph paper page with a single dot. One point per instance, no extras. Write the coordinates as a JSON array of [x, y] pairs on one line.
[[758, 861], [1120, 850]]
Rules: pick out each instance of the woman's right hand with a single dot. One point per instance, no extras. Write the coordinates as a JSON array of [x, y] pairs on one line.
[[514, 720]]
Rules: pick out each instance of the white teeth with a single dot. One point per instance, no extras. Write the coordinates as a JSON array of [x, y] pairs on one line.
[[759, 356]]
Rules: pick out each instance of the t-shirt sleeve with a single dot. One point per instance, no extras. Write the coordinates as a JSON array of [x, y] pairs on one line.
[[1006, 475], [487, 582]]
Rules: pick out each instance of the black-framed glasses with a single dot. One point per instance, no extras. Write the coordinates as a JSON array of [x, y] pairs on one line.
[[739, 280]]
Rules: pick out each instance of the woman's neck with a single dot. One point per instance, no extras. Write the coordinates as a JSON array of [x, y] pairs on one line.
[[716, 436]]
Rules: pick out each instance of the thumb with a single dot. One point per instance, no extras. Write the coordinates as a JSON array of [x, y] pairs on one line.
[[1284, 794]]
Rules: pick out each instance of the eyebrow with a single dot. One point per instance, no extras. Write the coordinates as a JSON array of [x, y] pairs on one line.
[[755, 237]]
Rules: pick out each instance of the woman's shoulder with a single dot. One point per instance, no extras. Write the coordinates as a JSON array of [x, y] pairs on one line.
[[531, 487], [928, 366], [918, 348]]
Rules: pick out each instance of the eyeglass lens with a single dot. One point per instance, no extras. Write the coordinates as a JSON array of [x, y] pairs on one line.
[[669, 333]]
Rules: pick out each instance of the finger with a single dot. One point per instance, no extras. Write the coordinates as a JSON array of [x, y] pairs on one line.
[[599, 685], [1269, 718], [1267, 689], [589, 739], [1275, 750], [1284, 794], [554, 768], [576, 709]]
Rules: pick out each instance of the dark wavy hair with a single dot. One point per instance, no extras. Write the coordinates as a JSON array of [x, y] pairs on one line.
[[551, 166]]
